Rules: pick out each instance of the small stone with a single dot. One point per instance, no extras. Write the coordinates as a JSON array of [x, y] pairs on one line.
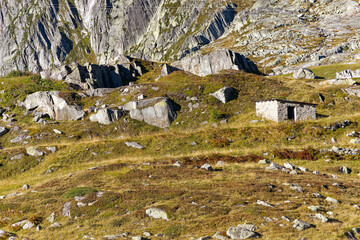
[[33, 151], [204, 238], [207, 167], [51, 149], [17, 157], [264, 161], [316, 172], [267, 219], [260, 202], [220, 163], [314, 208], [3, 131], [219, 236], [318, 195], [356, 207], [134, 145], [156, 213], [285, 218], [289, 166], [51, 218], [55, 225], [356, 231], [345, 170], [66, 209], [58, 132], [138, 238], [303, 169], [355, 141], [332, 200], [28, 225], [301, 225], [330, 213], [177, 164], [274, 166], [293, 172], [321, 217], [26, 187], [38, 228]]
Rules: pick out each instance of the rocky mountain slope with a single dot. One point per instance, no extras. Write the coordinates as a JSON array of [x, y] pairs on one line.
[[39, 34]]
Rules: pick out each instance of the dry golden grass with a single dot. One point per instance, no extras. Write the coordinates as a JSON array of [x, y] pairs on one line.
[[228, 194]]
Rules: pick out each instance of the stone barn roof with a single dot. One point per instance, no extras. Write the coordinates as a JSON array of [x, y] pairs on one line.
[[285, 101]]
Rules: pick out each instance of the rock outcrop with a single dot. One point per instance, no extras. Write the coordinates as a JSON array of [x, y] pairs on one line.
[[106, 116], [346, 74], [213, 63], [90, 76], [225, 94], [157, 111], [304, 73], [53, 105]]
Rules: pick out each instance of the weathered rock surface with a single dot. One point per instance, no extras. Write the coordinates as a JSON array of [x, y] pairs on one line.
[[157, 213], [106, 116], [3, 131], [134, 145], [225, 94], [33, 151], [345, 170], [66, 210], [301, 225], [346, 74], [38, 35], [304, 73], [215, 62], [89, 76], [157, 111], [53, 105], [3, 233], [242, 231]]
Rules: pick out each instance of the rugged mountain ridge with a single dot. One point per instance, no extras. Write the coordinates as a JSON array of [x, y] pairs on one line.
[[38, 34]]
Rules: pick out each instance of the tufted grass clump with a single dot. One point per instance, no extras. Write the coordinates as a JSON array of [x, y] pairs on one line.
[[79, 191]]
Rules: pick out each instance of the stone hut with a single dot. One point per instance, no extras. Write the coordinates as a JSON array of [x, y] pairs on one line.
[[281, 110]]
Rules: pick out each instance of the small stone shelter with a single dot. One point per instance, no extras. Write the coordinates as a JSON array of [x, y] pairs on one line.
[[281, 110]]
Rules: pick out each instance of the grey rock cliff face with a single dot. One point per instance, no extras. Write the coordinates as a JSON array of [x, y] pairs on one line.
[[43, 34], [40, 34]]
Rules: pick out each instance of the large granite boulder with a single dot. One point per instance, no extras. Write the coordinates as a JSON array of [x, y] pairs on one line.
[[304, 73], [52, 104], [106, 116], [213, 63], [225, 94], [157, 111]]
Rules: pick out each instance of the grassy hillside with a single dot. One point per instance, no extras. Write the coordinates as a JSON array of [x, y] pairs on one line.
[[92, 158]]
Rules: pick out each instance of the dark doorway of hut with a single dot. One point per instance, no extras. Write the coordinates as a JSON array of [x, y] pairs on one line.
[[291, 113]]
